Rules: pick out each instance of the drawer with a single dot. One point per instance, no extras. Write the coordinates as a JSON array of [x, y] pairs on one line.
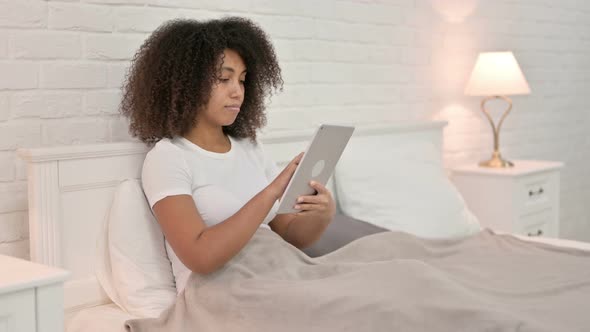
[[536, 192], [537, 230], [536, 224], [17, 311]]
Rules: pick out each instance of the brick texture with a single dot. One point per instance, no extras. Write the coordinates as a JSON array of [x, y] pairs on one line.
[[63, 62]]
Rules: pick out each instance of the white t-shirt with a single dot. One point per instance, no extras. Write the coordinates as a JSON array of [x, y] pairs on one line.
[[220, 183]]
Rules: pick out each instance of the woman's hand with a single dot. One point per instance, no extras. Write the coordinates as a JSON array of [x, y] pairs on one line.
[[319, 205], [279, 184]]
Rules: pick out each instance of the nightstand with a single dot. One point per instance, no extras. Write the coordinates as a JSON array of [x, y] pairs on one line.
[[31, 296], [523, 199]]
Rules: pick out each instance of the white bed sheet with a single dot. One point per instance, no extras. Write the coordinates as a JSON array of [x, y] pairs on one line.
[[557, 242], [109, 317]]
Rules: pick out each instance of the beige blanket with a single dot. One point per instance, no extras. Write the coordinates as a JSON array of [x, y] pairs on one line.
[[388, 282]]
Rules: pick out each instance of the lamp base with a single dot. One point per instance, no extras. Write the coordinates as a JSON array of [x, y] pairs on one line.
[[496, 162]]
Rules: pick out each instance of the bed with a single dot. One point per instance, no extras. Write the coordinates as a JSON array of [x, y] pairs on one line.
[[71, 188]]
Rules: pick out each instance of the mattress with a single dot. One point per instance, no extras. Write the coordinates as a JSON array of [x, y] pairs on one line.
[[344, 229], [341, 231], [110, 317], [557, 242]]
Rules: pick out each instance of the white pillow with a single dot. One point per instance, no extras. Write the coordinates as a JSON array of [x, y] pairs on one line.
[[401, 185], [133, 267]]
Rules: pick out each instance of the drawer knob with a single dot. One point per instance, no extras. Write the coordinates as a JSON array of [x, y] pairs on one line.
[[538, 233], [538, 192]]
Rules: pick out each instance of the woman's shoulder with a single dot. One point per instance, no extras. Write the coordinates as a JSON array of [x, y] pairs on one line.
[[163, 149], [166, 144], [164, 156]]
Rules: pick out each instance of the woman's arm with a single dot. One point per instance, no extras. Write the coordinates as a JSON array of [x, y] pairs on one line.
[[205, 249], [304, 228], [302, 231]]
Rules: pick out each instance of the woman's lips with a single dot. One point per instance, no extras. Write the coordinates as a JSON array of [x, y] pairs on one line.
[[233, 108]]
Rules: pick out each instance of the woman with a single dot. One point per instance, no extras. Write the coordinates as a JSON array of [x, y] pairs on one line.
[[196, 90]]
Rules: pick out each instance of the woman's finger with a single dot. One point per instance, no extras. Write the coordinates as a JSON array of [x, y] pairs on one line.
[[294, 163], [315, 199], [303, 213], [297, 158], [290, 168], [281, 181], [318, 186], [308, 207]]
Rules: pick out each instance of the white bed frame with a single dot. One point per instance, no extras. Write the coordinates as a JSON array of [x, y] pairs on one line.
[[70, 189]]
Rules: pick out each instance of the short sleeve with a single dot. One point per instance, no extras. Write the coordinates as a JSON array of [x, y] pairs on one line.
[[165, 173]]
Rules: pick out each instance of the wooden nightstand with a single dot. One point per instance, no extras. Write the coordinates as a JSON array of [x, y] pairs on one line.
[[523, 199], [31, 296]]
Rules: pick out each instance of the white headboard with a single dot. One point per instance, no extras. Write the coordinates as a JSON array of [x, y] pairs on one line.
[[70, 189]]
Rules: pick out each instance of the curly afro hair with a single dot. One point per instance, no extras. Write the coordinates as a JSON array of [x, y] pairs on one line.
[[173, 72]]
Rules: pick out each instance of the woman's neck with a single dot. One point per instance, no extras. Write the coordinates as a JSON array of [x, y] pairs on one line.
[[209, 138]]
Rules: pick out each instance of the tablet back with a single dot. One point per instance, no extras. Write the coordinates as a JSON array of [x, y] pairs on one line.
[[317, 164]]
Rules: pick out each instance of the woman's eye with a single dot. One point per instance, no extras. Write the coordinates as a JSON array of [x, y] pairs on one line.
[[243, 82]]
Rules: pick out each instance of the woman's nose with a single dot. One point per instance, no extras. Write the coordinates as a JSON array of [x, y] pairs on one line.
[[237, 89]]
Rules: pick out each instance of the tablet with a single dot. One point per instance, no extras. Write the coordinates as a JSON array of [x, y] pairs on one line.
[[317, 164]]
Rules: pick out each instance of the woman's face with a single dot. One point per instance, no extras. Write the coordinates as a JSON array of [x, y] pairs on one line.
[[227, 94]]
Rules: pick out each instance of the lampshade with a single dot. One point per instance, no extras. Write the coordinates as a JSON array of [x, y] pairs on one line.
[[496, 74]]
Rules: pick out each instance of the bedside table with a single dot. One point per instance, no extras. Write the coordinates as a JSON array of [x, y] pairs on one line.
[[31, 296], [523, 199]]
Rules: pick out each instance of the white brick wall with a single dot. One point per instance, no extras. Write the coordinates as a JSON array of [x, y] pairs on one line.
[[77, 75], [44, 45], [45, 104], [18, 74], [79, 17], [62, 64], [23, 14]]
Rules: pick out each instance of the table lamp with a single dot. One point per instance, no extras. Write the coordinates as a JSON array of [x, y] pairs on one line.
[[496, 75]]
